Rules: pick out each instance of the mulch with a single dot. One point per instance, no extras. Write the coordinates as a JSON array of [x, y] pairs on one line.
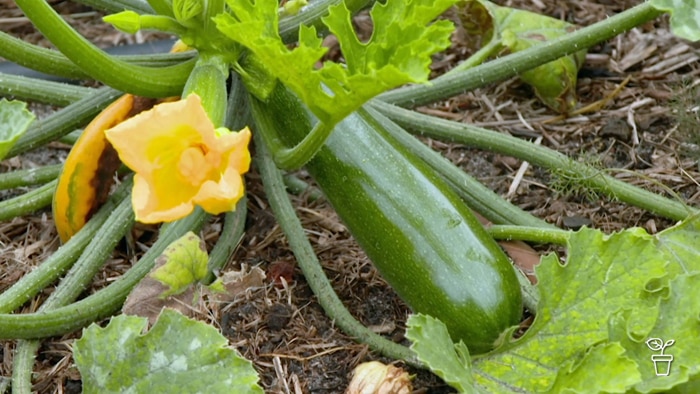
[[649, 129]]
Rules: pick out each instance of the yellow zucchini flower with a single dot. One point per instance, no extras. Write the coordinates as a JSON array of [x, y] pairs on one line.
[[181, 160]]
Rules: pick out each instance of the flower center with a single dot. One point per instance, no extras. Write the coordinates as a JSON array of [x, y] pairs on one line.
[[193, 165]]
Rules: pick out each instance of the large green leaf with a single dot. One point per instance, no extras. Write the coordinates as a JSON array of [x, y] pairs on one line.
[[177, 355], [685, 17], [14, 121], [598, 310], [432, 344], [398, 52]]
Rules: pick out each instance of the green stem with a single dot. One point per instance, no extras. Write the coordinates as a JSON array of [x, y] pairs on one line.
[[37, 90], [530, 292], [102, 303], [74, 283], [28, 202], [229, 239], [295, 157], [310, 266], [311, 15], [64, 121], [23, 365], [536, 154], [143, 81], [47, 61], [530, 234], [478, 57], [30, 177], [476, 195], [298, 186], [40, 277], [208, 81], [114, 6], [516, 63], [52, 62]]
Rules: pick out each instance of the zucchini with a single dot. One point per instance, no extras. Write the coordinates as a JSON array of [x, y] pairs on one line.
[[422, 238]]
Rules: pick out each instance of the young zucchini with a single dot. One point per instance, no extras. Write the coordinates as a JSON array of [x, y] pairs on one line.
[[421, 237]]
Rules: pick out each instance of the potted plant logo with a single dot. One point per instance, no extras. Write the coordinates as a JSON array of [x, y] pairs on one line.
[[662, 362]]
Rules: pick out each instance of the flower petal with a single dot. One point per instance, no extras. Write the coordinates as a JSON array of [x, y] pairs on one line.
[[148, 208], [159, 130]]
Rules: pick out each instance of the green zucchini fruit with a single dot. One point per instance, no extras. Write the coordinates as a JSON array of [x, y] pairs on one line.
[[422, 238]]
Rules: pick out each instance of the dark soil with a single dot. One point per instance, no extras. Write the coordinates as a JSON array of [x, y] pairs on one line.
[[648, 128]]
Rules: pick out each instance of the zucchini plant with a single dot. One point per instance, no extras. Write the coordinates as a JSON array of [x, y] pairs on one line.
[[408, 209]]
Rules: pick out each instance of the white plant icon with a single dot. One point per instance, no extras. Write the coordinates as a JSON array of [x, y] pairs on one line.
[[662, 362]]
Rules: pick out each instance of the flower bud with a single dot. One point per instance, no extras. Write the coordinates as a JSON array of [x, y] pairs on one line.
[[376, 378]]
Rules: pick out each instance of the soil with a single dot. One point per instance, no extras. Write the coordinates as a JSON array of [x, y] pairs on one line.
[[649, 128]]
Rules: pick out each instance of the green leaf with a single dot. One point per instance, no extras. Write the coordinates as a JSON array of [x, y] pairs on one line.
[[678, 330], [183, 263], [14, 121], [627, 271], [513, 30], [596, 314], [178, 355], [432, 345], [185, 10], [398, 52], [606, 359], [685, 17]]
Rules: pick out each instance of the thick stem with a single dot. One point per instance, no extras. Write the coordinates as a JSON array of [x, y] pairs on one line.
[[37, 90], [64, 121], [208, 81], [530, 234], [74, 283], [28, 202], [138, 6], [30, 177], [295, 157], [480, 138], [143, 81], [497, 70], [44, 60], [101, 304], [38, 278], [311, 267], [229, 239]]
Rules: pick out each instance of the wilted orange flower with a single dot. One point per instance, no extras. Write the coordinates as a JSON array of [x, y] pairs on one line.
[[181, 160]]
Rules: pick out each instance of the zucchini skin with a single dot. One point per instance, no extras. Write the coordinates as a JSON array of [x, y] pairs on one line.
[[421, 237]]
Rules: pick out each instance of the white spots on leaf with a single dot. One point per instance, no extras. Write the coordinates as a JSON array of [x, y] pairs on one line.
[[160, 360]]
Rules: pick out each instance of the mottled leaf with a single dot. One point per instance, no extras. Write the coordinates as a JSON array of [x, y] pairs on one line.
[[432, 344], [183, 263], [178, 355], [14, 121], [597, 312]]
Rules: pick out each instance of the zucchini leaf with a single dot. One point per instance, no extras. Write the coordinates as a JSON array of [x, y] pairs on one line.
[[398, 52], [178, 355], [505, 29], [182, 264], [432, 344], [596, 313], [14, 121], [685, 17]]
